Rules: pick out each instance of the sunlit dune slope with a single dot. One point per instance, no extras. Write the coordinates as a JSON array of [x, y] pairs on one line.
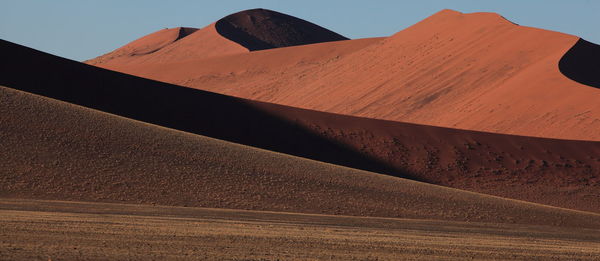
[[144, 46], [555, 172], [56, 150], [202, 43], [473, 71]]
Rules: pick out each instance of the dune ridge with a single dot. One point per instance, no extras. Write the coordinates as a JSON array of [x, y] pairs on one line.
[[56, 150], [474, 71], [242, 32], [202, 43], [562, 173]]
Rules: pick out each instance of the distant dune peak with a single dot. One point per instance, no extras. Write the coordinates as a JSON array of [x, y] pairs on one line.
[[483, 17], [259, 29], [447, 12]]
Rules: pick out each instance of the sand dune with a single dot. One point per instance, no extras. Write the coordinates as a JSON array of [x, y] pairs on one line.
[[249, 30], [473, 71], [555, 172], [56, 150]]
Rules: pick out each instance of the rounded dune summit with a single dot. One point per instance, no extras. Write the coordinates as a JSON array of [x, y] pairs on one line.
[[259, 29]]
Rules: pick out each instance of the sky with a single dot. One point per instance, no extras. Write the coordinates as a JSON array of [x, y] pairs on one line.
[[84, 29]]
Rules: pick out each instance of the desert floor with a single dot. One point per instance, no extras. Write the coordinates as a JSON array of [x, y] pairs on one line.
[[60, 230]]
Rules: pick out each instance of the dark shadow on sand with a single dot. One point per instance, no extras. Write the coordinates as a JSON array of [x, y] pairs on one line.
[[582, 63], [195, 111]]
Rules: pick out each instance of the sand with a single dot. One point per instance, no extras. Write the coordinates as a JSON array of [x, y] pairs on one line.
[[144, 46], [202, 43], [473, 71], [249, 30]]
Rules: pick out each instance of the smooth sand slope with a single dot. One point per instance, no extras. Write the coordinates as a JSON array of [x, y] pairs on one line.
[[101, 231], [249, 30], [56, 150], [554, 172], [473, 71]]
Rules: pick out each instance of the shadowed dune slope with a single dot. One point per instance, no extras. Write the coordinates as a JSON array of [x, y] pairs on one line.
[[259, 29], [56, 150], [582, 63], [555, 172], [473, 71]]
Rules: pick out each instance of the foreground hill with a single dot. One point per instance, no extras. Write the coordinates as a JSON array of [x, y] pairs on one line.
[[555, 172], [56, 150], [249, 30], [473, 71]]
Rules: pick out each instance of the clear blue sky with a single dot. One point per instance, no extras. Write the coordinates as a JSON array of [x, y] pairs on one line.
[[83, 29]]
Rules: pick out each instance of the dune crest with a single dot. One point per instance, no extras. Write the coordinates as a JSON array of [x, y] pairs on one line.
[[242, 32], [200, 44], [143, 46]]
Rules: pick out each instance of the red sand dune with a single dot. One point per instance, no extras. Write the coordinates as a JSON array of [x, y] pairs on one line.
[[556, 172], [470, 71], [255, 29]]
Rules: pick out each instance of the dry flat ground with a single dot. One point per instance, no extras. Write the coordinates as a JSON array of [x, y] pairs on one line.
[[60, 230]]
